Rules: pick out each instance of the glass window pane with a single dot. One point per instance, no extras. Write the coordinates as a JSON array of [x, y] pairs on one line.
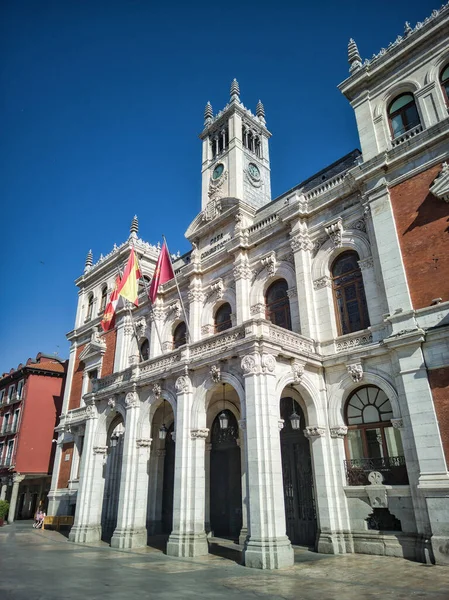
[[400, 102], [445, 74], [355, 445], [397, 125], [374, 443], [394, 441], [370, 414]]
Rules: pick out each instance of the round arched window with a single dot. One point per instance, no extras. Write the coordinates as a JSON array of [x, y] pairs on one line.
[[403, 114], [223, 318], [278, 304], [372, 443], [444, 79], [104, 297], [90, 307], [179, 335], [145, 349], [349, 293]]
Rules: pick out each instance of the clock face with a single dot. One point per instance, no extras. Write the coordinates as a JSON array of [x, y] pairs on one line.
[[253, 170], [218, 171]]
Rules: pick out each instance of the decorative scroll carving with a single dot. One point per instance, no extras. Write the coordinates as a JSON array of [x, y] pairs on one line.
[[322, 282], [215, 373], [335, 232], [144, 443], [199, 434], [269, 262], [182, 384], [175, 308], [339, 432], [218, 288], [353, 342], [440, 186], [314, 431], [355, 371], [207, 329], [131, 400], [359, 225]]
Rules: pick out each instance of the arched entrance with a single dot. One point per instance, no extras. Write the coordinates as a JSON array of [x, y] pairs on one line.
[[225, 479], [299, 496], [113, 470], [168, 482]]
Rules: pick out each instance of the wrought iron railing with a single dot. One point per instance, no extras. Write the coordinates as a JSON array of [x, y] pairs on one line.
[[393, 469]]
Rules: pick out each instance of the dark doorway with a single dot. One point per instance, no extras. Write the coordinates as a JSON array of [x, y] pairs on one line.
[[225, 480], [113, 471], [21, 505], [169, 482], [300, 514]]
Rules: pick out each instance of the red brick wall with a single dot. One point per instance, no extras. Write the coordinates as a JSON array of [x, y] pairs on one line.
[[77, 381], [64, 469], [108, 358], [422, 223], [439, 383], [41, 408]]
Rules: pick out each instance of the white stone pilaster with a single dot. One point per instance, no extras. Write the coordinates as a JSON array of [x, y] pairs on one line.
[[188, 537], [242, 276], [131, 517], [17, 480], [267, 546], [195, 308], [301, 246]]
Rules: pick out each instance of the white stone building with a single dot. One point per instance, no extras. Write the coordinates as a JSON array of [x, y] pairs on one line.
[[305, 306]]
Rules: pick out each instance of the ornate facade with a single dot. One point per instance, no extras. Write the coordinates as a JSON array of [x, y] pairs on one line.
[[308, 403]]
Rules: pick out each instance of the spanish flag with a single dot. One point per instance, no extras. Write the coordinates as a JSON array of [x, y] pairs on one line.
[[108, 320], [162, 273], [128, 288]]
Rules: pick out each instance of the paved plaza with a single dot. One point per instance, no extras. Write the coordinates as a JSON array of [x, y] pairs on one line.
[[44, 565]]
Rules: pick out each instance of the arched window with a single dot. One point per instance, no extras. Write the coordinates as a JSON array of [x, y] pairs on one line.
[[444, 79], [145, 349], [144, 284], [278, 304], [349, 293], [179, 336], [104, 297], [372, 443], [223, 318], [90, 307], [403, 114]]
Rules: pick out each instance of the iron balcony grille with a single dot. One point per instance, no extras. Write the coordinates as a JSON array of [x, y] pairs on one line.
[[393, 469]]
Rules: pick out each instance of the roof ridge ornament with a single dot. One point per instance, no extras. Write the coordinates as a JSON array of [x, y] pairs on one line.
[[208, 114], [260, 112], [134, 229], [235, 90], [354, 58], [89, 261]]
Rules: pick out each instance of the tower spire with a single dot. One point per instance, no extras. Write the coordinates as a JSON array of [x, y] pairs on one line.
[[208, 114], [235, 90], [260, 112], [354, 59], [133, 230], [89, 261]]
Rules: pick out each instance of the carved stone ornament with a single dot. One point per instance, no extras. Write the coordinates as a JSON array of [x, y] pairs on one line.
[[144, 443], [257, 309], [356, 372], [111, 403], [141, 326], [199, 434], [268, 363], [359, 225], [18, 478], [91, 412], [242, 271], [300, 242], [440, 186], [242, 424], [366, 263], [377, 492], [131, 400], [157, 390], [207, 329], [182, 384], [397, 423], [339, 432], [175, 310], [298, 371], [218, 288], [195, 295], [100, 449], [322, 282], [213, 208], [313, 431], [215, 373], [292, 292], [250, 363], [280, 424], [269, 263], [335, 232]]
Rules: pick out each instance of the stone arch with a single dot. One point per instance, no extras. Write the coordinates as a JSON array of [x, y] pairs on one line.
[[351, 240], [283, 271], [200, 401], [410, 86], [307, 396], [105, 418], [212, 304], [338, 398], [148, 408], [433, 74]]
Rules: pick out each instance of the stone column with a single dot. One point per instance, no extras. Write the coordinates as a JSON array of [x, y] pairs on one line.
[[242, 276], [87, 524], [131, 517], [188, 537], [267, 545], [195, 308], [208, 449], [301, 246], [17, 479], [4, 488]]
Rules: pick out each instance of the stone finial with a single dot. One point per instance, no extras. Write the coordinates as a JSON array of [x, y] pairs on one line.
[[235, 90], [208, 114], [407, 29], [133, 230], [89, 261], [354, 59], [260, 111]]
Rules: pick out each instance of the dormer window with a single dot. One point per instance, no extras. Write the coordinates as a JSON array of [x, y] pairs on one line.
[[403, 114], [444, 79]]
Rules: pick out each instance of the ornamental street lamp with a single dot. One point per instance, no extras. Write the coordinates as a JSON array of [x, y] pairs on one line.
[[163, 430], [223, 417], [114, 440], [295, 419]]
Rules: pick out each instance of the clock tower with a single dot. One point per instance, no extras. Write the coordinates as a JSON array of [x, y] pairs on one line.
[[236, 162]]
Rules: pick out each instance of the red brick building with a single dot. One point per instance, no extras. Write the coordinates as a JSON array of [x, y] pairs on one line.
[[30, 406]]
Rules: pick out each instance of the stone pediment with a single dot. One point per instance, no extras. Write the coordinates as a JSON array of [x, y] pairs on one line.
[[215, 214], [440, 186], [94, 349]]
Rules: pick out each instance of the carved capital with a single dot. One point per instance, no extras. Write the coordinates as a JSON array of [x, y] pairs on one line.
[[195, 295], [100, 450], [182, 384], [292, 292], [91, 412], [242, 271], [218, 288], [258, 309], [366, 264], [314, 431], [199, 434], [250, 363], [280, 424], [397, 423], [322, 282], [215, 373], [268, 363], [300, 242], [335, 232], [18, 478], [339, 432], [144, 443], [269, 263], [355, 371], [131, 400]]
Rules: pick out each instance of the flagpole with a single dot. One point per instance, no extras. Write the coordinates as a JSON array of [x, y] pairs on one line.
[[179, 293]]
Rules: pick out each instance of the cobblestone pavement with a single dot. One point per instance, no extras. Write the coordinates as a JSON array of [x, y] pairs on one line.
[[43, 565]]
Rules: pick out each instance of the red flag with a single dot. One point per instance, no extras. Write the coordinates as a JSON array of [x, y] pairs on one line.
[[162, 274], [108, 320], [128, 287]]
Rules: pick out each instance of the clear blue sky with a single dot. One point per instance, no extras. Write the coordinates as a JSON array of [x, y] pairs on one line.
[[101, 106]]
